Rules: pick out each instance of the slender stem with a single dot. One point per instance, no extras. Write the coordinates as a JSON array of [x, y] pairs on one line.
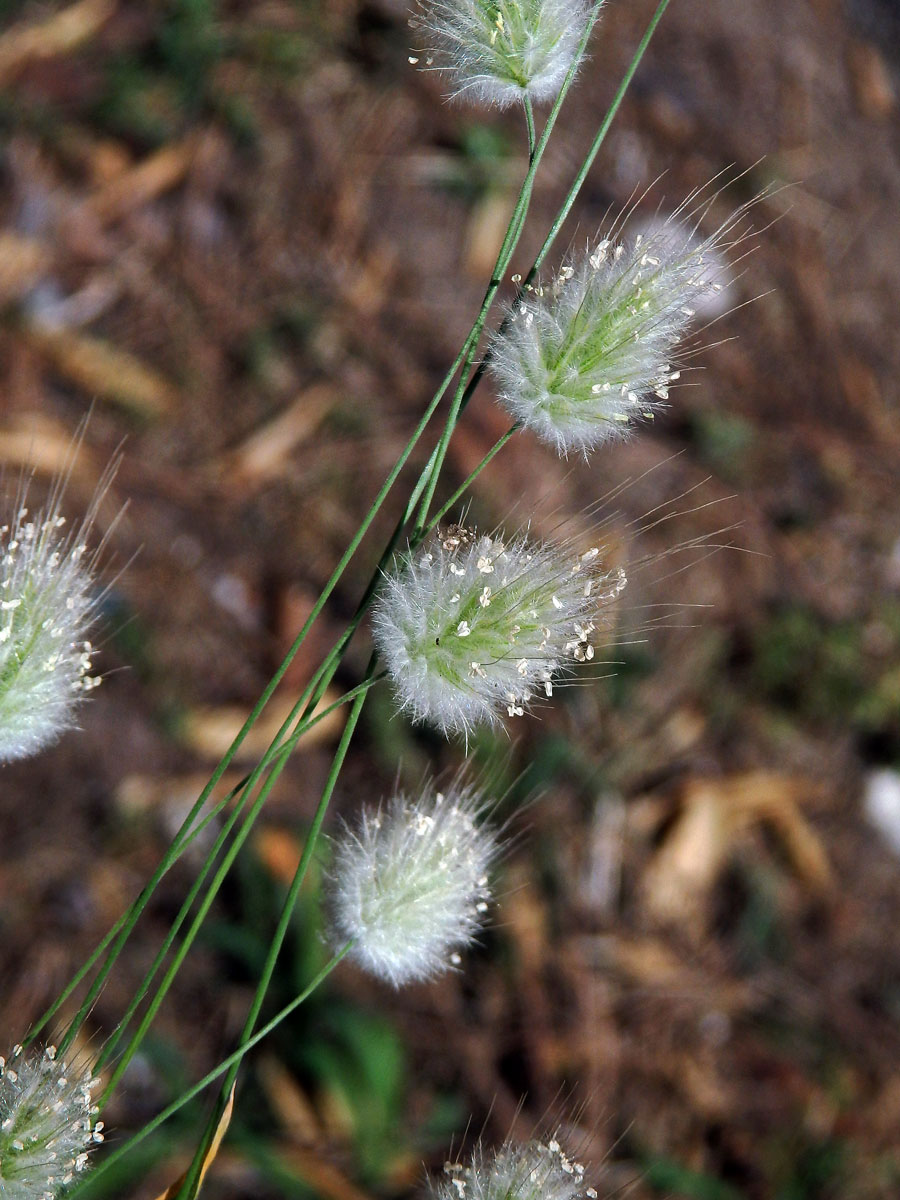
[[276, 757], [470, 479], [598, 140], [507, 250], [126, 924], [185, 837], [276, 768], [226, 1064], [477, 375], [529, 125], [192, 1178]]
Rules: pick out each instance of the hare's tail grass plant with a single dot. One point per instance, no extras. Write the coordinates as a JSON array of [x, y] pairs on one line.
[[418, 508], [408, 884], [504, 53], [303, 711], [470, 627], [532, 1170], [49, 602], [48, 1123]]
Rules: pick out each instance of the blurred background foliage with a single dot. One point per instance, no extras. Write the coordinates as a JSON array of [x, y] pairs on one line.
[[250, 236]]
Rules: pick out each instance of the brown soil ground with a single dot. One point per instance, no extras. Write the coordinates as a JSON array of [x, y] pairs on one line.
[[249, 237]]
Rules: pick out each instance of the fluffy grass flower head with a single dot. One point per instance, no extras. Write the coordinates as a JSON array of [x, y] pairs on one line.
[[532, 1170], [409, 885], [584, 356], [473, 628], [48, 603], [47, 1125], [499, 52]]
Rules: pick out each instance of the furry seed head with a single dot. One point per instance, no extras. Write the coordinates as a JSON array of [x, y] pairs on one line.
[[409, 885], [47, 1125], [47, 606], [472, 628], [532, 1171], [584, 356], [500, 51]]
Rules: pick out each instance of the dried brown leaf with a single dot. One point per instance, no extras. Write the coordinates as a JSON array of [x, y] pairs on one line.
[[140, 184], [651, 963], [323, 1177], [101, 369], [265, 454], [39, 443], [22, 262], [289, 1102], [279, 851], [171, 1192], [61, 32], [714, 813], [484, 236], [870, 75], [210, 731]]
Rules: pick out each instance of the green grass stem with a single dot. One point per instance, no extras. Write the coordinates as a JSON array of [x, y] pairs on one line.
[[192, 1180], [232, 1060]]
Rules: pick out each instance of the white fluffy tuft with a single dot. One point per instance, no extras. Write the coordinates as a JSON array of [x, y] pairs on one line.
[[409, 885], [472, 628], [47, 606], [499, 51], [530, 1171], [584, 356], [47, 1125]]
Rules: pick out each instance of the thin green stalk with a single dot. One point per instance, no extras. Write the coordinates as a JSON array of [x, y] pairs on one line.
[[182, 841], [470, 479], [598, 140], [272, 757], [131, 917], [507, 250], [476, 375], [224, 867], [226, 1064], [191, 1183], [529, 125], [86, 967]]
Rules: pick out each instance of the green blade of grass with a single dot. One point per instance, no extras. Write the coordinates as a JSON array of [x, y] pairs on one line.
[[192, 1180], [275, 769], [232, 1060]]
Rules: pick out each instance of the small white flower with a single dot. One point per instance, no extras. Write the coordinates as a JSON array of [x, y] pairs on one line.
[[47, 1124], [48, 603], [530, 1171], [537, 623], [500, 51], [409, 885], [583, 357]]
